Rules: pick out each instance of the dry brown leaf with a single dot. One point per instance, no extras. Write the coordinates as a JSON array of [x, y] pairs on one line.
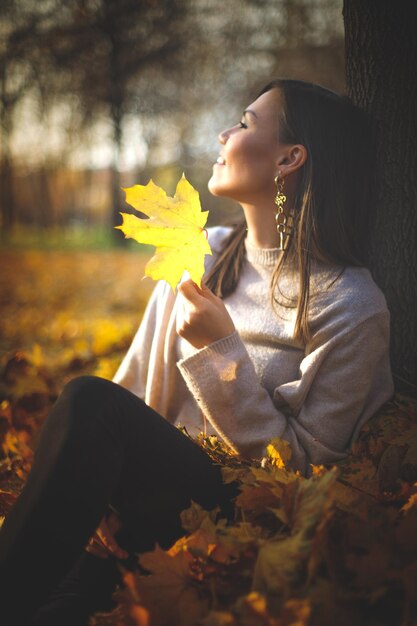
[[170, 593], [257, 498]]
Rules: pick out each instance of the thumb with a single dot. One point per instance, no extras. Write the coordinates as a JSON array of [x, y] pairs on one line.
[[189, 290]]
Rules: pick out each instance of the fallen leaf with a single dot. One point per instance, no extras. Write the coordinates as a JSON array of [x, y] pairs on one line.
[[171, 591], [219, 618], [279, 566], [282, 564], [295, 612], [195, 517], [279, 452], [257, 498], [411, 504]]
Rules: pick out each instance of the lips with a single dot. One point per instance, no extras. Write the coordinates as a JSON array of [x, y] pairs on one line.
[[220, 160]]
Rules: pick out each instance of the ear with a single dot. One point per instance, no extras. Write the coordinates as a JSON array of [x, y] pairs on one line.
[[292, 157]]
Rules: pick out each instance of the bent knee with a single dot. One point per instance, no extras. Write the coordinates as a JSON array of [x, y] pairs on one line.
[[87, 397], [84, 387]]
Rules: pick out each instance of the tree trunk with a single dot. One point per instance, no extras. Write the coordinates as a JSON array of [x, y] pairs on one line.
[[116, 97], [6, 195], [381, 61], [6, 172], [45, 207], [116, 192]]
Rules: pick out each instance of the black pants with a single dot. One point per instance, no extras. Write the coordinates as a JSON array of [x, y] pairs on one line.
[[100, 445]]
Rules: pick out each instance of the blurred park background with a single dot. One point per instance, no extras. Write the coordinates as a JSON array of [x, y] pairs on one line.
[[100, 94]]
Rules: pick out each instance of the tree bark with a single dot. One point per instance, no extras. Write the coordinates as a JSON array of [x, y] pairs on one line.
[[381, 61], [6, 195], [6, 170]]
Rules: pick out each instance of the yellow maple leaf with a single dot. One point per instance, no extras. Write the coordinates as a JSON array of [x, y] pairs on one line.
[[175, 226], [279, 452]]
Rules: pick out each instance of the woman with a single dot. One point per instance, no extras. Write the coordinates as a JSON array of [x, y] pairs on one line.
[[288, 337]]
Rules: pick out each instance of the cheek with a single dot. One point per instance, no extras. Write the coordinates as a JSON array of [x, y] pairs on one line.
[[254, 164], [253, 153]]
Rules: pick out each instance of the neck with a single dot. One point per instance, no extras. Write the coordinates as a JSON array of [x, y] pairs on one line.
[[262, 232]]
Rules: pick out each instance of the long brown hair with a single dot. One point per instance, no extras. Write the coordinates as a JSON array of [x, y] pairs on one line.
[[334, 192]]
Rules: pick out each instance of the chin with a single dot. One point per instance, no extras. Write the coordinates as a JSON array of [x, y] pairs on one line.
[[212, 187], [215, 189]]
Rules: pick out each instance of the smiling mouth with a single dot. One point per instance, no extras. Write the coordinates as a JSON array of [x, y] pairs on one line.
[[220, 161]]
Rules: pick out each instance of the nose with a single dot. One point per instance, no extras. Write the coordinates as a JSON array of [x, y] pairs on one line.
[[223, 136]]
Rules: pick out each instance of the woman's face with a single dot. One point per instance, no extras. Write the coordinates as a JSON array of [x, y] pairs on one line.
[[249, 156]]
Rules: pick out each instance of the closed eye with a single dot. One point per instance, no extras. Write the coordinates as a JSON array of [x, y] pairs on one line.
[[243, 125]]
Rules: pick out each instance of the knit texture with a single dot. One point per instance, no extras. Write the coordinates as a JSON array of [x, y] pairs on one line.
[[259, 383]]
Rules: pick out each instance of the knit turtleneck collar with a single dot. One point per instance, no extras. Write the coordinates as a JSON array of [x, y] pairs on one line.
[[261, 256]]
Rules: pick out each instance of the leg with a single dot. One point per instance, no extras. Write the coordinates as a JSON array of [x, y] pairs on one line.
[[99, 445]]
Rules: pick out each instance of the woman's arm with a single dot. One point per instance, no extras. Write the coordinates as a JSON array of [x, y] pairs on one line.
[[342, 382], [133, 370]]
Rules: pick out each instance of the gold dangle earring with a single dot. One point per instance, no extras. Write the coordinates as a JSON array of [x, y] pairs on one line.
[[283, 227]]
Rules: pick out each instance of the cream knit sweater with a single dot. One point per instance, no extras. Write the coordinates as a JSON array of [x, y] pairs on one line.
[[258, 383]]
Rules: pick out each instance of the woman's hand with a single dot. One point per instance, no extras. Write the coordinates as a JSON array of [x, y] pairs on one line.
[[202, 317], [103, 543]]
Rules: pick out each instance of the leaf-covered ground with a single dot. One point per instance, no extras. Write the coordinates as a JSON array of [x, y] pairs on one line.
[[337, 549]]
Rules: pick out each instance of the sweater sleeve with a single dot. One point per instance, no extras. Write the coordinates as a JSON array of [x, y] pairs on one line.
[[133, 370], [342, 382]]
